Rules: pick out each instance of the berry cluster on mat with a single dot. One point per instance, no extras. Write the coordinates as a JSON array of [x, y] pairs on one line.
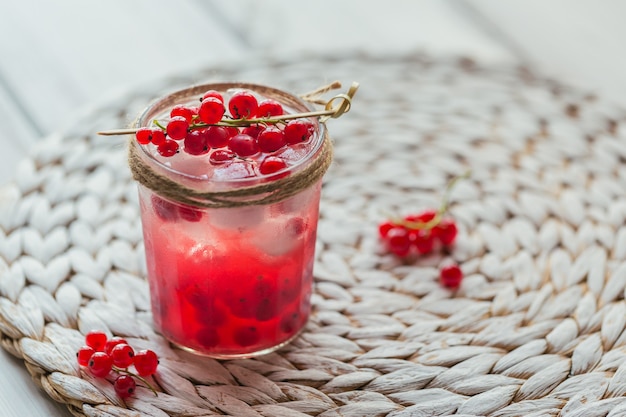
[[424, 232], [421, 234], [418, 233], [237, 127], [102, 356]]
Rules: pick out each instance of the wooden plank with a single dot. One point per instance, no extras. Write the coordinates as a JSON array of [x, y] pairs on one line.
[[60, 55], [579, 42], [280, 27], [19, 396]]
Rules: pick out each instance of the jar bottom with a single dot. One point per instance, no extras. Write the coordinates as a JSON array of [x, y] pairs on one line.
[[246, 355]]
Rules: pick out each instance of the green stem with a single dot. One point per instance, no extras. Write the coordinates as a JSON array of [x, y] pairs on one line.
[[443, 207], [261, 120], [156, 122], [229, 122], [329, 112], [139, 377], [446, 196]]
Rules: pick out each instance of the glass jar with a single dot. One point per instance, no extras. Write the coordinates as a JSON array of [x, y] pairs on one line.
[[229, 251]]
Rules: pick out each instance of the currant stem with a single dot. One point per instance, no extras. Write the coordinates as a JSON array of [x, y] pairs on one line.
[[446, 196], [230, 122], [139, 377], [159, 125], [330, 111], [443, 207]]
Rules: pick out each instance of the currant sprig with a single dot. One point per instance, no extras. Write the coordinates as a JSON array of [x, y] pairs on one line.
[[429, 220], [421, 233], [242, 127], [125, 383], [421, 229], [247, 111], [101, 356]]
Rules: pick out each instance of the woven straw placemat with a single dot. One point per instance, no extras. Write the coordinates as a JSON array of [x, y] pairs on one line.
[[536, 328]]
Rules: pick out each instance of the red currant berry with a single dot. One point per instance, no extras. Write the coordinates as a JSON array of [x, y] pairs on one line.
[[423, 217], [289, 323], [422, 239], [168, 148], [221, 156], [243, 145], [231, 131], [122, 355], [96, 340], [124, 386], [206, 310], [451, 276], [384, 228], [253, 130], [291, 288], [299, 130], [398, 241], [190, 214], [217, 136], [143, 135], [184, 111], [147, 135], [268, 108], [84, 354], [247, 336], [272, 164], [177, 128], [243, 105], [214, 94], [164, 209], [211, 110], [195, 143], [146, 362], [446, 231], [266, 309], [112, 342], [271, 139], [295, 227], [100, 364], [208, 337], [158, 136]]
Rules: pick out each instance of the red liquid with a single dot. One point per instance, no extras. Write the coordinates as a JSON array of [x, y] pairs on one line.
[[231, 282]]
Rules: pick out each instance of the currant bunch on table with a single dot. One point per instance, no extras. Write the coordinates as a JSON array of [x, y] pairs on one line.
[[421, 234]]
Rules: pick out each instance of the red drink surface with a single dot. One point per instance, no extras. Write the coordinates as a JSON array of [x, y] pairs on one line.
[[236, 281]]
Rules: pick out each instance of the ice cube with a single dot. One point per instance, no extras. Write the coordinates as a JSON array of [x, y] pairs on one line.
[[278, 237], [234, 170], [294, 153], [237, 218]]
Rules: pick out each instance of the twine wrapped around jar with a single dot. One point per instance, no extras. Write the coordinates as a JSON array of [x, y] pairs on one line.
[[263, 193]]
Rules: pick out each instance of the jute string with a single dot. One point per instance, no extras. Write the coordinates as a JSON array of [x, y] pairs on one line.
[[263, 193]]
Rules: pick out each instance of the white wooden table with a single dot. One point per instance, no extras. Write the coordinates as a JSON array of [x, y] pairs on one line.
[[57, 58]]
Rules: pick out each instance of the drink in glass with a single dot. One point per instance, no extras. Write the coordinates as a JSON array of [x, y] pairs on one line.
[[230, 254]]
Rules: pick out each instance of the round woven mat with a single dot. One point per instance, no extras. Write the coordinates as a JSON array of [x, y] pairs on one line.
[[536, 329]]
